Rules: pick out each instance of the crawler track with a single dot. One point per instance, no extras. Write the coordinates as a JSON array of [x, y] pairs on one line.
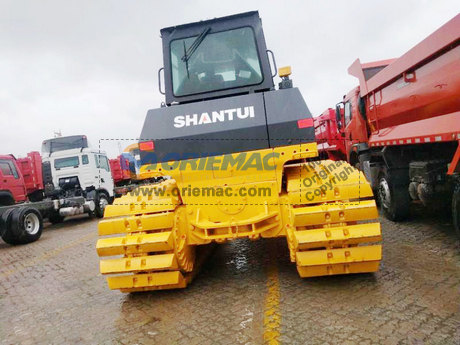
[[153, 239]]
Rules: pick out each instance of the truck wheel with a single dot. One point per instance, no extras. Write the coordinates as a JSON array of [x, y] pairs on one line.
[[26, 226], [5, 226], [56, 218], [393, 198], [102, 200], [456, 208]]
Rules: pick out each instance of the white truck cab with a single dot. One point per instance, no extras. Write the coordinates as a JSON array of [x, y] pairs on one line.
[[71, 167]]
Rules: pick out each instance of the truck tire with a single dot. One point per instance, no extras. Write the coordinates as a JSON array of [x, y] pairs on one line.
[[5, 226], [393, 198], [456, 208], [102, 200], [25, 226]]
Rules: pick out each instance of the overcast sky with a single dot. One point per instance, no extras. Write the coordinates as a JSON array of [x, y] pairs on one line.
[[90, 67]]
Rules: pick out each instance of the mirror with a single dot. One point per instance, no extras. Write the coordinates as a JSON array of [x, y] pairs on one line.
[[338, 114]]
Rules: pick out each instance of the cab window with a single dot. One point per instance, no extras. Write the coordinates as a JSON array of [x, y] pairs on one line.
[[8, 169], [66, 162], [102, 162], [84, 159], [348, 110], [216, 61]]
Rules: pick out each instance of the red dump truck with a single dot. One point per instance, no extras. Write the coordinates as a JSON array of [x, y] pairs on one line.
[[124, 171], [401, 125], [20, 179], [120, 175], [123, 174], [32, 173], [21, 182], [331, 145]]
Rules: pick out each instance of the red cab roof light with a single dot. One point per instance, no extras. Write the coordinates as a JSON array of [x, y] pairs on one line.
[[305, 123], [147, 146]]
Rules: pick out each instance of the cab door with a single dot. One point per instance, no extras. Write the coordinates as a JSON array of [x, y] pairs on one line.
[[12, 180], [347, 117], [105, 179]]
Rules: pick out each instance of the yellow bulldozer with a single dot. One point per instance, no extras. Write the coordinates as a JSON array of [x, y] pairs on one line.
[[239, 160]]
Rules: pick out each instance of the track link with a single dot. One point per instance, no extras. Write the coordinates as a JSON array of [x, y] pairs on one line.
[[326, 211], [333, 228], [154, 249]]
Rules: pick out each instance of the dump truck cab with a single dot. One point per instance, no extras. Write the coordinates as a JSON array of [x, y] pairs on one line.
[[351, 115], [12, 186]]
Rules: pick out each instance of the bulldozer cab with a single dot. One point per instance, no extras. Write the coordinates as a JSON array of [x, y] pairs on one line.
[[219, 87], [215, 58]]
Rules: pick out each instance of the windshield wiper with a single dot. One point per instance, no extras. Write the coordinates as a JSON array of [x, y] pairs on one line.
[[188, 54], [186, 60]]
